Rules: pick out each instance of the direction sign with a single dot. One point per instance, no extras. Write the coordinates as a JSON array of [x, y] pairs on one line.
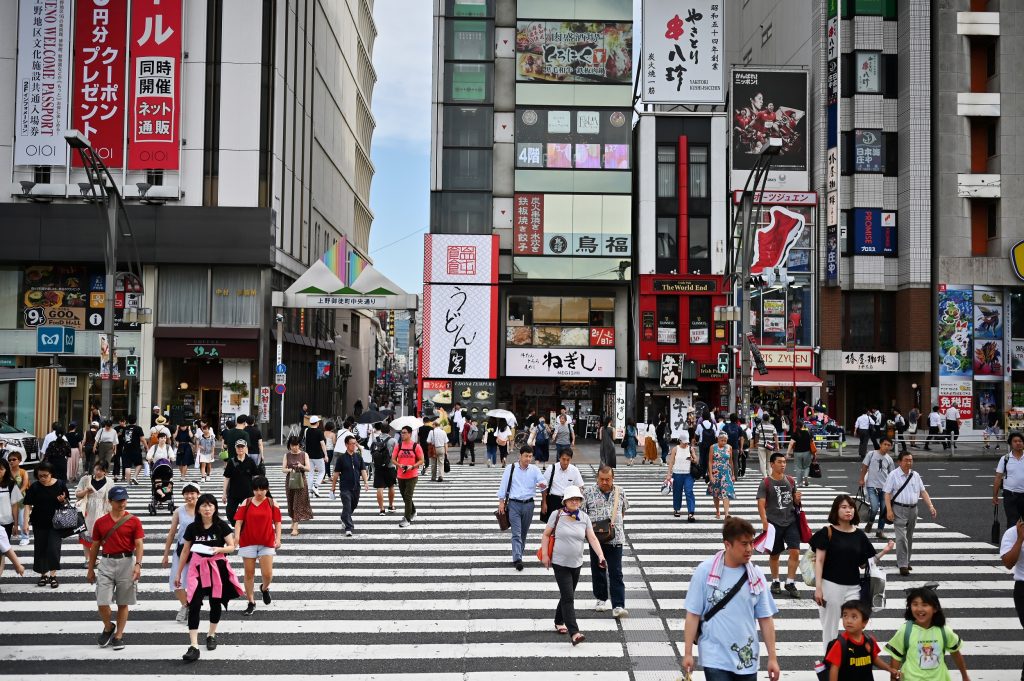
[[281, 368], [280, 378], [55, 340], [280, 388]]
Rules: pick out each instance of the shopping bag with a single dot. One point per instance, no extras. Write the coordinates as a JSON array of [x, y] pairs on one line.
[[996, 535], [807, 567]]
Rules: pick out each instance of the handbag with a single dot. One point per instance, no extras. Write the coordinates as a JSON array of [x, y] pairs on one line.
[[551, 540], [502, 513], [447, 465], [815, 471], [862, 507], [295, 480], [65, 517], [605, 529], [814, 447], [223, 456], [996, 536], [807, 562], [805, 527], [532, 440]]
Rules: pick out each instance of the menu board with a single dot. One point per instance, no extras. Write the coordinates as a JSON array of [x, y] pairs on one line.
[[476, 397], [73, 296]]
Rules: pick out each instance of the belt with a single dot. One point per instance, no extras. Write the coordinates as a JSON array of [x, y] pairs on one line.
[[913, 505], [522, 501], [123, 554]]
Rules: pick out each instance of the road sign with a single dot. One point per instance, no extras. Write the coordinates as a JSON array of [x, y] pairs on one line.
[[55, 340], [280, 388], [131, 366], [280, 378], [281, 368]]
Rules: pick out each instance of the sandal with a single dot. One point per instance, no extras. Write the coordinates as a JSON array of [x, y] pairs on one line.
[[53, 582], [43, 580], [561, 629], [578, 639]]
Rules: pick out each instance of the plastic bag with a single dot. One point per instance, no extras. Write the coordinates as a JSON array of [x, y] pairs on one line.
[[807, 567]]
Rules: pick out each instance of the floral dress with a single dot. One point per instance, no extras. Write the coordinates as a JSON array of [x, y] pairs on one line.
[[723, 484]]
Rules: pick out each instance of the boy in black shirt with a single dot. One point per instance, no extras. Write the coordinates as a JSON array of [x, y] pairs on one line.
[[851, 656]]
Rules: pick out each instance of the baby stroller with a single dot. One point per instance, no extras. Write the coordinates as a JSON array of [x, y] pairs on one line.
[[162, 482]]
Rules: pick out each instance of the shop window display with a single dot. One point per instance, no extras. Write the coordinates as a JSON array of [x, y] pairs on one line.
[[549, 321]]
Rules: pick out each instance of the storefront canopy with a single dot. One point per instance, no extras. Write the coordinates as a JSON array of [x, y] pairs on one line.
[[780, 378], [319, 287]]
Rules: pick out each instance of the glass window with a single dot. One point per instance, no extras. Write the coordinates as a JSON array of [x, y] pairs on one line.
[[575, 310], [668, 320], [460, 213], [860, 321], [236, 296], [468, 126], [520, 311], [666, 248], [666, 171], [700, 245], [602, 312], [466, 169], [469, 8], [698, 172], [700, 320], [468, 40], [184, 298], [585, 140], [544, 268], [547, 310], [468, 82]]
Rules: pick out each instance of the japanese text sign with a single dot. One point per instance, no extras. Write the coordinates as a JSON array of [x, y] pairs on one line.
[[99, 75], [683, 47], [41, 88], [155, 49], [563, 362], [528, 224], [460, 258], [459, 324]]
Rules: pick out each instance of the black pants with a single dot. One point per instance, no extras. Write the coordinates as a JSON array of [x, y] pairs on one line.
[[232, 506], [934, 433], [554, 502], [45, 549], [953, 432], [196, 605], [468, 447], [565, 611], [862, 448], [1013, 506], [875, 430], [349, 502]]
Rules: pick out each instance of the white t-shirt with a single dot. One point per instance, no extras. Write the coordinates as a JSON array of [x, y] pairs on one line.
[[1012, 470], [1009, 538], [952, 414], [9, 497], [458, 419], [934, 420], [681, 464]]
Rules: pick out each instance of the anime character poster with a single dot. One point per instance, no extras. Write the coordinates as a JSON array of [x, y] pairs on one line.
[[988, 315], [988, 359], [770, 105], [955, 317]]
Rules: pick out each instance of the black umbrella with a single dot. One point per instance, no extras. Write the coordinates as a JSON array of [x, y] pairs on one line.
[[995, 525], [371, 417]]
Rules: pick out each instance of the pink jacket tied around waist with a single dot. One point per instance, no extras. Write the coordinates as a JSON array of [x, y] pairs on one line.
[[205, 572]]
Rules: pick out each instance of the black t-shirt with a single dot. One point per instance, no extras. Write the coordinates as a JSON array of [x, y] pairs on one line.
[[254, 436], [801, 441], [348, 468], [423, 435], [844, 554], [233, 435], [214, 536], [240, 474], [131, 438], [74, 439], [855, 660], [43, 500], [314, 436]]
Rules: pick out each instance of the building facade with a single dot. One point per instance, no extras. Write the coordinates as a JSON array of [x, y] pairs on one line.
[[241, 146]]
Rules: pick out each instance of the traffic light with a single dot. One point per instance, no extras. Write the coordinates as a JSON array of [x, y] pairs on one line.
[[131, 366], [723, 363]]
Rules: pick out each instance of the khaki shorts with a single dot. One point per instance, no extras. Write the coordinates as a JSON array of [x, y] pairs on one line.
[[114, 581]]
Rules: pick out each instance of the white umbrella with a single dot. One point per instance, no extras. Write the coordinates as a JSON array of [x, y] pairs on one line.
[[403, 421], [509, 417]]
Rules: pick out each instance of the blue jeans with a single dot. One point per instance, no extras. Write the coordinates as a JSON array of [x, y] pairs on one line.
[[876, 497], [608, 581], [520, 514], [560, 448], [726, 675], [492, 453], [664, 450], [683, 482]]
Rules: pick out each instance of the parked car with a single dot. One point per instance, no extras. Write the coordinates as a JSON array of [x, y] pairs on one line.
[[13, 439]]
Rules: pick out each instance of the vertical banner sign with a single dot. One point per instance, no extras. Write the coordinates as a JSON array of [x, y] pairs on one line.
[[620, 408], [41, 94], [683, 44], [832, 249], [155, 68], [98, 98]]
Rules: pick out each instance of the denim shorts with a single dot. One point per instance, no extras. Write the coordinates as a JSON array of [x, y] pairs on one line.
[[256, 551]]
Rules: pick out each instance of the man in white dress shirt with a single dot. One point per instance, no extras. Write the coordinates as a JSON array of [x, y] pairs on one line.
[[561, 475], [904, 488]]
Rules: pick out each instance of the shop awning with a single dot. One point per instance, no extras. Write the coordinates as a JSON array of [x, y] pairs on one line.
[[784, 377]]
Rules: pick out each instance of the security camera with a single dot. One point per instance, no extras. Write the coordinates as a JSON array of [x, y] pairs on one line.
[[279, 318]]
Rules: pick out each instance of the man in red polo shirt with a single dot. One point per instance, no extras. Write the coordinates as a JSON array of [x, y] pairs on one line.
[[119, 535]]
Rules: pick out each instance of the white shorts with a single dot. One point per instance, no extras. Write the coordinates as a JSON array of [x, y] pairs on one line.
[[206, 458], [256, 551]]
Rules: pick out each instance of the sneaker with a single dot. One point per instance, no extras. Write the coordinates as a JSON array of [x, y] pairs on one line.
[[191, 655], [333, 497], [791, 590], [619, 612], [391, 509], [519, 565], [880, 535], [348, 533], [601, 606], [23, 541], [404, 523], [382, 512], [413, 516], [266, 594], [182, 616], [867, 528], [249, 609], [211, 642], [134, 481], [117, 643], [316, 492], [105, 637], [776, 589]]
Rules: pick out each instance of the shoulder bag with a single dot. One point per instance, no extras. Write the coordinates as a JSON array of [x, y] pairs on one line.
[[862, 507], [65, 517], [605, 529], [502, 513], [113, 529], [295, 479], [551, 540], [801, 516], [717, 607]]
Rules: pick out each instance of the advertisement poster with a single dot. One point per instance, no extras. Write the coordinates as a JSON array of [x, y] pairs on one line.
[[460, 258], [458, 332], [868, 72], [682, 52], [988, 360], [528, 224], [560, 362], [437, 394], [476, 397], [770, 104], [108, 358], [988, 315], [574, 52], [265, 404], [98, 97], [1017, 355], [551, 224], [774, 240], [155, 68], [874, 232], [955, 316], [867, 151], [573, 139], [956, 393], [73, 296], [41, 88], [680, 404]]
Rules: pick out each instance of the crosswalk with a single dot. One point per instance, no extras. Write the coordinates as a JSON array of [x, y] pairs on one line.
[[439, 601]]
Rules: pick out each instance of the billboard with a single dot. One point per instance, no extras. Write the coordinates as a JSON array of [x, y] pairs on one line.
[[874, 232], [98, 98], [155, 70], [74, 296], [770, 104], [955, 317], [989, 361], [573, 139], [574, 52], [868, 147], [568, 225], [41, 94], [460, 258], [560, 362], [682, 52], [459, 331]]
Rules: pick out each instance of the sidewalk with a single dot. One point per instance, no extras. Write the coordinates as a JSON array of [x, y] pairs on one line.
[[966, 450]]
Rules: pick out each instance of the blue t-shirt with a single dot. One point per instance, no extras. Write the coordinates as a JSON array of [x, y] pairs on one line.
[[730, 640]]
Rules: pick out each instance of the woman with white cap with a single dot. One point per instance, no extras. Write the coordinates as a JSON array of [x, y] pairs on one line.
[[184, 516], [561, 546]]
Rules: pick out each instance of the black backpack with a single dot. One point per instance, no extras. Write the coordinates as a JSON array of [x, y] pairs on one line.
[[381, 453], [708, 436]]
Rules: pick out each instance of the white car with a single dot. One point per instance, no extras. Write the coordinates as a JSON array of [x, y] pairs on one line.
[[14, 439]]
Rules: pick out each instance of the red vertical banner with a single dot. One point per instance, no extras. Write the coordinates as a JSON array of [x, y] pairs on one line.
[[155, 73], [99, 97]]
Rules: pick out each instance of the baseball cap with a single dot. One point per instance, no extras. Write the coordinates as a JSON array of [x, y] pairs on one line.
[[190, 487], [119, 493], [314, 419], [241, 443]]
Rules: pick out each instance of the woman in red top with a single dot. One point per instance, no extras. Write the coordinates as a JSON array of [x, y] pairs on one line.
[[408, 457], [258, 528]]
